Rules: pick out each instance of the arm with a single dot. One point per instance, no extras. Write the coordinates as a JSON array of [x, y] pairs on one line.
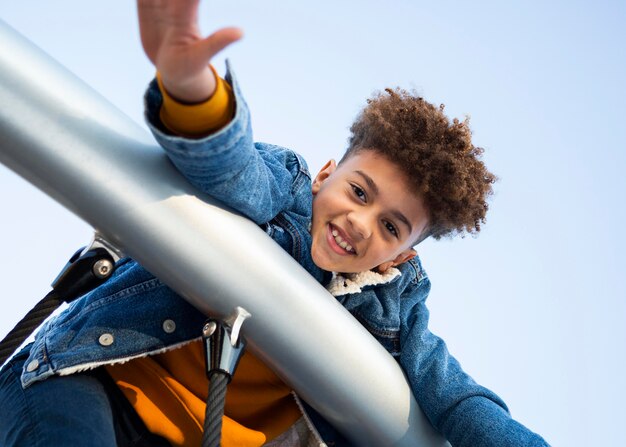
[[255, 179], [466, 413], [225, 164]]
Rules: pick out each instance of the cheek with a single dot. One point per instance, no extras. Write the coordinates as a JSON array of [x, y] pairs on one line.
[[315, 211], [322, 204], [382, 252]]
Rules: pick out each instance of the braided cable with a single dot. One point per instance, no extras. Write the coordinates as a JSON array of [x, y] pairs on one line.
[[215, 410], [28, 324]]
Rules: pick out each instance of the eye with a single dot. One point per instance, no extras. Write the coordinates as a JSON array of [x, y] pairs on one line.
[[391, 228], [358, 191]]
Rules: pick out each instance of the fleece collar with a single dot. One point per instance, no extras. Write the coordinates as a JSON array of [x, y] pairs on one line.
[[344, 283]]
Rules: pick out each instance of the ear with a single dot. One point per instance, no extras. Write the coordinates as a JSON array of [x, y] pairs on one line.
[[324, 173], [406, 255]]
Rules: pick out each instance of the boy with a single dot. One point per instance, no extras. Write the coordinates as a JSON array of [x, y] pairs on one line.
[[408, 174]]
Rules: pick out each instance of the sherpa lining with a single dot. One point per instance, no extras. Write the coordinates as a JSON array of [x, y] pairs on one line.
[[88, 366], [344, 283]]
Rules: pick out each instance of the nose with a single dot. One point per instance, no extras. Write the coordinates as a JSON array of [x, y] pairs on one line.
[[360, 224]]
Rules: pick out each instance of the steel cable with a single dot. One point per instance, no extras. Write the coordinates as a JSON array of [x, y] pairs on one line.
[[214, 410], [28, 324]]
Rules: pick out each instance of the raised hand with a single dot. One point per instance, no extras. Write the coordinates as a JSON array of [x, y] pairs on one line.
[[172, 41]]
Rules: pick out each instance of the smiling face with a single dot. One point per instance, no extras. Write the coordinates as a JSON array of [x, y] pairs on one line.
[[364, 215]]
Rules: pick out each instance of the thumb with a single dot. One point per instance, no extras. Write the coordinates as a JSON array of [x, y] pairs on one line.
[[219, 40]]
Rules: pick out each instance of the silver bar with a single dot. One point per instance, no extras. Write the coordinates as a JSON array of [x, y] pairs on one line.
[[71, 143]]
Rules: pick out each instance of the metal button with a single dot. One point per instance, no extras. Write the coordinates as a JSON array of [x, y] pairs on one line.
[[106, 339], [32, 365], [169, 326]]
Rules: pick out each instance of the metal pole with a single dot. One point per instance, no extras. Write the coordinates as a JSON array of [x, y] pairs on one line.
[[71, 143]]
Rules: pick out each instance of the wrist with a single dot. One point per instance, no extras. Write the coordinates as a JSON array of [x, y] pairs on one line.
[[193, 90], [197, 119]]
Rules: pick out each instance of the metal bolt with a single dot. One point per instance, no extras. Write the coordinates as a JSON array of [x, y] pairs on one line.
[[102, 268], [209, 328]]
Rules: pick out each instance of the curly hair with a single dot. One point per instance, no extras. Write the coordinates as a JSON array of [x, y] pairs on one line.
[[436, 156]]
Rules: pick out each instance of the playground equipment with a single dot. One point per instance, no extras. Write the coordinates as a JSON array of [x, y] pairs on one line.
[[71, 143]]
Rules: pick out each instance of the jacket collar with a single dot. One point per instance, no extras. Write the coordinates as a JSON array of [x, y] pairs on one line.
[[344, 283]]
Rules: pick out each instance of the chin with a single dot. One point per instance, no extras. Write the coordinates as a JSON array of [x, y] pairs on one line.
[[324, 265], [321, 263]]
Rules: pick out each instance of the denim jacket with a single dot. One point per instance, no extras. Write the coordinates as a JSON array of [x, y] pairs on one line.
[[134, 314]]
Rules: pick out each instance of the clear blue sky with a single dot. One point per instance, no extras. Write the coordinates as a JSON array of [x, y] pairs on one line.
[[534, 308]]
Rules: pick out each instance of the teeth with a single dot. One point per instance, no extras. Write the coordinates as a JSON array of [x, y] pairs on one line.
[[343, 244]]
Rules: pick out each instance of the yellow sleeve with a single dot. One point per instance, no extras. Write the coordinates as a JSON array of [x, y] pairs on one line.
[[197, 120]]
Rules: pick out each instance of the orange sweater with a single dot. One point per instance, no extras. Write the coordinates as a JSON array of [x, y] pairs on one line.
[[169, 390]]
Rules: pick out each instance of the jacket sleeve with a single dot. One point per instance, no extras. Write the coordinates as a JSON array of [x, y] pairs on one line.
[[467, 414], [254, 179]]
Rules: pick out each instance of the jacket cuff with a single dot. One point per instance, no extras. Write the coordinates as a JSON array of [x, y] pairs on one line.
[[196, 120]]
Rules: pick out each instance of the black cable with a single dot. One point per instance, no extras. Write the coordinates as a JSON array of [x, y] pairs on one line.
[[84, 271], [215, 410], [28, 324]]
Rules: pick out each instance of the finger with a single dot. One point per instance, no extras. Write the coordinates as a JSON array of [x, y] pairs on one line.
[[219, 40], [151, 25]]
